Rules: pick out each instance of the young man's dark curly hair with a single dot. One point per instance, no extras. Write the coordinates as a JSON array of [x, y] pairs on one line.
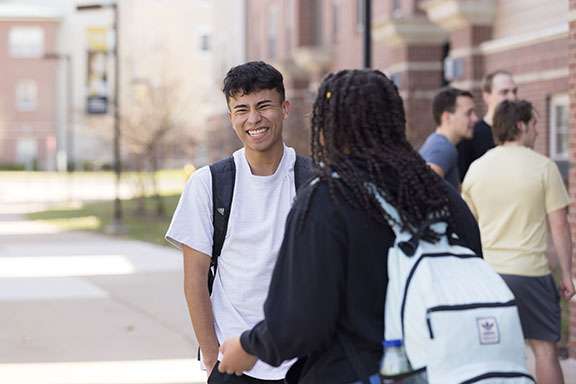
[[252, 77], [358, 132]]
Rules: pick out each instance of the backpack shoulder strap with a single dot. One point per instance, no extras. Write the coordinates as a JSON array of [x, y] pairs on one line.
[[223, 178], [302, 171]]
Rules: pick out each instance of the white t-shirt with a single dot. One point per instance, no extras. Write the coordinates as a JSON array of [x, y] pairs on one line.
[[258, 214]]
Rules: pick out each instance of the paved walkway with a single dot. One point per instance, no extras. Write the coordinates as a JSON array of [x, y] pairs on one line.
[[81, 308]]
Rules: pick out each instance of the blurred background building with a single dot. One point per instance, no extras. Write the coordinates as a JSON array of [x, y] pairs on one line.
[[57, 88], [57, 82], [423, 45]]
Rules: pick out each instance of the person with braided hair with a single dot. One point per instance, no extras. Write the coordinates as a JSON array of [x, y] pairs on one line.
[[331, 274]]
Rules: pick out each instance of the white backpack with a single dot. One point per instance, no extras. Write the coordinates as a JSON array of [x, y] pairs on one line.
[[456, 316]]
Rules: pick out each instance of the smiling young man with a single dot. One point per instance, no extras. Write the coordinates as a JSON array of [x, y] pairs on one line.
[[455, 115], [264, 189]]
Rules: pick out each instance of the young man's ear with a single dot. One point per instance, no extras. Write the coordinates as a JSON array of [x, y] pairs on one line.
[[486, 97], [521, 126], [446, 118], [285, 109]]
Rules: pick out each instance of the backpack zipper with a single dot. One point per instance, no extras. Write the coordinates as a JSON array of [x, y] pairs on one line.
[[411, 274], [462, 307]]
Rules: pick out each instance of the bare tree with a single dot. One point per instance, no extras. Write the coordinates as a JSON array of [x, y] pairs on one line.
[[152, 129], [221, 141]]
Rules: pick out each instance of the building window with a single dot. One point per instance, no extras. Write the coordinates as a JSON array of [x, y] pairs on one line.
[[360, 13], [26, 95], [335, 19], [272, 33], [204, 41], [289, 24], [559, 127], [396, 8], [27, 152], [453, 69], [397, 79], [26, 42]]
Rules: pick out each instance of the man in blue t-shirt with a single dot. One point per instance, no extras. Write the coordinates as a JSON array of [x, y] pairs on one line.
[[455, 115]]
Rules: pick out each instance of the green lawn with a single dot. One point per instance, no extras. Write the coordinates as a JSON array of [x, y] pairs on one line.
[[162, 174], [98, 216]]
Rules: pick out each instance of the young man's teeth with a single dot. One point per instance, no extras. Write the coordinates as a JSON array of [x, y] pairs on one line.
[[257, 132]]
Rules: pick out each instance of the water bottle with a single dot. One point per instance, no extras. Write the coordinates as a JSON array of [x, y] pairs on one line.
[[395, 362]]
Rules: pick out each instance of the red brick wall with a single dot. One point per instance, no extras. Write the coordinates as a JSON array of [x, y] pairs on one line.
[[470, 36], [40, 123], [537, 57], [305, 22], [539, 93], [418, 88]]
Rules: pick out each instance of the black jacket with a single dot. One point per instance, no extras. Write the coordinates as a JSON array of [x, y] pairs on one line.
[[470, 150], [331, 277]]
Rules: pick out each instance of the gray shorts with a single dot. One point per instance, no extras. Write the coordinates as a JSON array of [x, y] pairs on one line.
[[538, 304]]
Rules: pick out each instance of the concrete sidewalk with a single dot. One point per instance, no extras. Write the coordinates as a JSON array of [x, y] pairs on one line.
[[82, 308]]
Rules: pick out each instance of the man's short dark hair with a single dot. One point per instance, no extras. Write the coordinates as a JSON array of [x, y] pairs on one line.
[[507, 116], [252, 77], [488, 80], [445, 101]]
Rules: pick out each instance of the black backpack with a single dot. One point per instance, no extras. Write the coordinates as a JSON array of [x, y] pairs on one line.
[[223, 178]]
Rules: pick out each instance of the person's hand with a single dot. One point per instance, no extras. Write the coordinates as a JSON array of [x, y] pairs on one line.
[[566, 287], [235, 360]]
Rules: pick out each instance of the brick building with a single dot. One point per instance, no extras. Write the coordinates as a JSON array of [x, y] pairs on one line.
[[423, 45], [28, 130]]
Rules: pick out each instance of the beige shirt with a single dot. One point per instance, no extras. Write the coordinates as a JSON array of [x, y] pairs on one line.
[[511, 190]]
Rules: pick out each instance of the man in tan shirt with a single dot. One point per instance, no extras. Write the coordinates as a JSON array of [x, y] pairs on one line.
[[516, 195]]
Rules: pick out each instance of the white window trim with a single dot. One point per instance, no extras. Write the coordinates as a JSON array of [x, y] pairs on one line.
[[556, 100], [22, 49]]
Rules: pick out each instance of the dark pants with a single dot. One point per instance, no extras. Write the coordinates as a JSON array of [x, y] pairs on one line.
[[217, 377]]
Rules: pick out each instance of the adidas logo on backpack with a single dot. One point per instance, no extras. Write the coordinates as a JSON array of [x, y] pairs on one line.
[[456, 316]]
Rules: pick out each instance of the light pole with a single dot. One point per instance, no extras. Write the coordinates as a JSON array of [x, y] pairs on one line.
[[116, 226], [367, 34]]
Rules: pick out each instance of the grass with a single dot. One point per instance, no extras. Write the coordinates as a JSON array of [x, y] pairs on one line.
[[98, 216], [162, 174]]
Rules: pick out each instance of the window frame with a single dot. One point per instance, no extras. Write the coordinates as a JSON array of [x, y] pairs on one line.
[[558, 100], [19, 48]]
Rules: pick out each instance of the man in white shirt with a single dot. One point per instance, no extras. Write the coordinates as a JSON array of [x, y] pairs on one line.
[[263, 193]]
